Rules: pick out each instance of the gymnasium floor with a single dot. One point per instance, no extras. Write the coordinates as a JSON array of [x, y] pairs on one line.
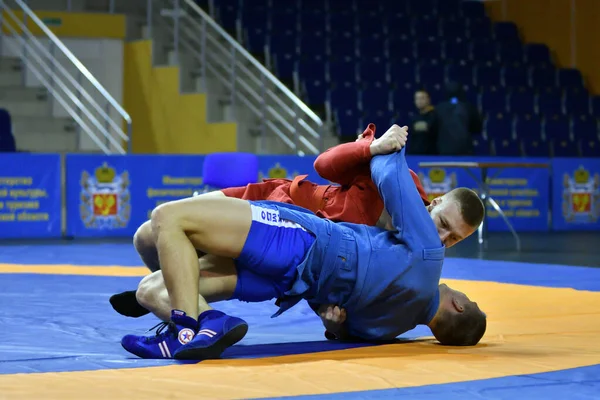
[[60, 337]]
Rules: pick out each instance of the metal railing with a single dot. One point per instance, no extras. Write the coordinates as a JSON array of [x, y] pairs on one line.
[[276, 109], [67, 88]]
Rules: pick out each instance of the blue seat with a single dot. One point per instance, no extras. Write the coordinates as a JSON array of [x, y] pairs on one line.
[[457, 51], [460, 73], [480, 28], [223, 170], [343, 46], [343, 71], [314, 43], [584, 127], [473, 9], [452, 28], [284, 43], [427, 29], [557, 127], [436, 93], [515, 77], [483, 51], [7, 140], [577, 100], [372, 47], [381, 118], [542, 77], [376, 98], [565, 148], [590, 148], [492, 101], [471, 93], [511, 53], [506, 32], [310, 20], [228, 13], [285, 64], [535, 148], [421, 7], [448, 8], [498, 126], [373, 71], [431, 74], [481, 146], [316, 90], [549, 103], [522, 101], [596, 106], [340, 21], [348, 121], [399, 27], [528, 126], [487, 75], [400, 48], [257, 39], [401, 73], [538, 55], [256, 16], [368, 18], [428, 50], [403, 99], [570, 77], [308, 70], [507, 147], [284, 20]]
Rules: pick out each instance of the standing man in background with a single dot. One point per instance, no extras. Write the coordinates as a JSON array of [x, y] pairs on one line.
[[458, 121], [423, 127]]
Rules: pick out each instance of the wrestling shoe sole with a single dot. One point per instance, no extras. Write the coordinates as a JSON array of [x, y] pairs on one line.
[[214, 351]]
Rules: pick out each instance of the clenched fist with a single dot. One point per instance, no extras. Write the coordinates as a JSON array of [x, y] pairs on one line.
[[391, 141]]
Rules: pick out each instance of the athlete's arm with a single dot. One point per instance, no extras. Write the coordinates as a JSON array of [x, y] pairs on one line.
[[395, 185], [343, 163]]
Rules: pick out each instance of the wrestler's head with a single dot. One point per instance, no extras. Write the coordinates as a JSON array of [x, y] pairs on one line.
[[458, 321], [456, 215]]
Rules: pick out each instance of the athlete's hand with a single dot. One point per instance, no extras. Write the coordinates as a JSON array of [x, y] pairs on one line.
[[391, 141], [331, 314]]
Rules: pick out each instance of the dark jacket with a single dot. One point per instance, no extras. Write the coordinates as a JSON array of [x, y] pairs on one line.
[[423, 133], [458, 122]]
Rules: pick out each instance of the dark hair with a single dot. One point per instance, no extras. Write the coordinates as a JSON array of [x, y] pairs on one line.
[[461, 329], [422, 89], [471, 206]]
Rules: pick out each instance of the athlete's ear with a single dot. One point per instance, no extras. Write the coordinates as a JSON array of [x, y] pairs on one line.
[[436, 201]]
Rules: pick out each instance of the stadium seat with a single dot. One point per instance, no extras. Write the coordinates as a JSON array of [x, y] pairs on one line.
[[473, 9], [521, 101], [549, 103], [577, 100], [535, 148], [493, 101], [528, 127], [542, 77], [373, 71], [483, 51], [590, 148], [451, 28], [596, 106], [570, 77], [511, 53], [507, 148], [565, 148], [487, 75], [506, 32], [481, 146], [557, 127], [584, 126], [538, 55], [479, 28], [348, 121], [430, 74], [457, 51], [460, 73], [376, 99], [498, 126], [515, 77], [372, 46], [428, 50], [342, 71]]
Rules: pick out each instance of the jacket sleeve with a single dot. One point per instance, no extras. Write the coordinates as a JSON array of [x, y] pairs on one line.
[[420, 188], [342, 163]]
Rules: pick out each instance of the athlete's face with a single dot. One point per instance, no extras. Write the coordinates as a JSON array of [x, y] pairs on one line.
[[446, 215]]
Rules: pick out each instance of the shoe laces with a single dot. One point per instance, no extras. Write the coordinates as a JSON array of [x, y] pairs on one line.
[[160, 331]]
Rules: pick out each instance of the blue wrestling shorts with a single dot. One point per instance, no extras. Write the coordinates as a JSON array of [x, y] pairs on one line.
[[266, 268]]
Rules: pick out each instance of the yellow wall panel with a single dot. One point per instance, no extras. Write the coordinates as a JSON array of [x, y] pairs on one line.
[[68, 24], [164, 120]]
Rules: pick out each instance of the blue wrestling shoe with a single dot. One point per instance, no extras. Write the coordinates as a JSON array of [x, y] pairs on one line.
[[216, 332], [179, 331]]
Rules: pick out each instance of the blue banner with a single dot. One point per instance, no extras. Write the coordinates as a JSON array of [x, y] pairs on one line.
[[576, 194], [114, 195], [30, 195], [521, 193]]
